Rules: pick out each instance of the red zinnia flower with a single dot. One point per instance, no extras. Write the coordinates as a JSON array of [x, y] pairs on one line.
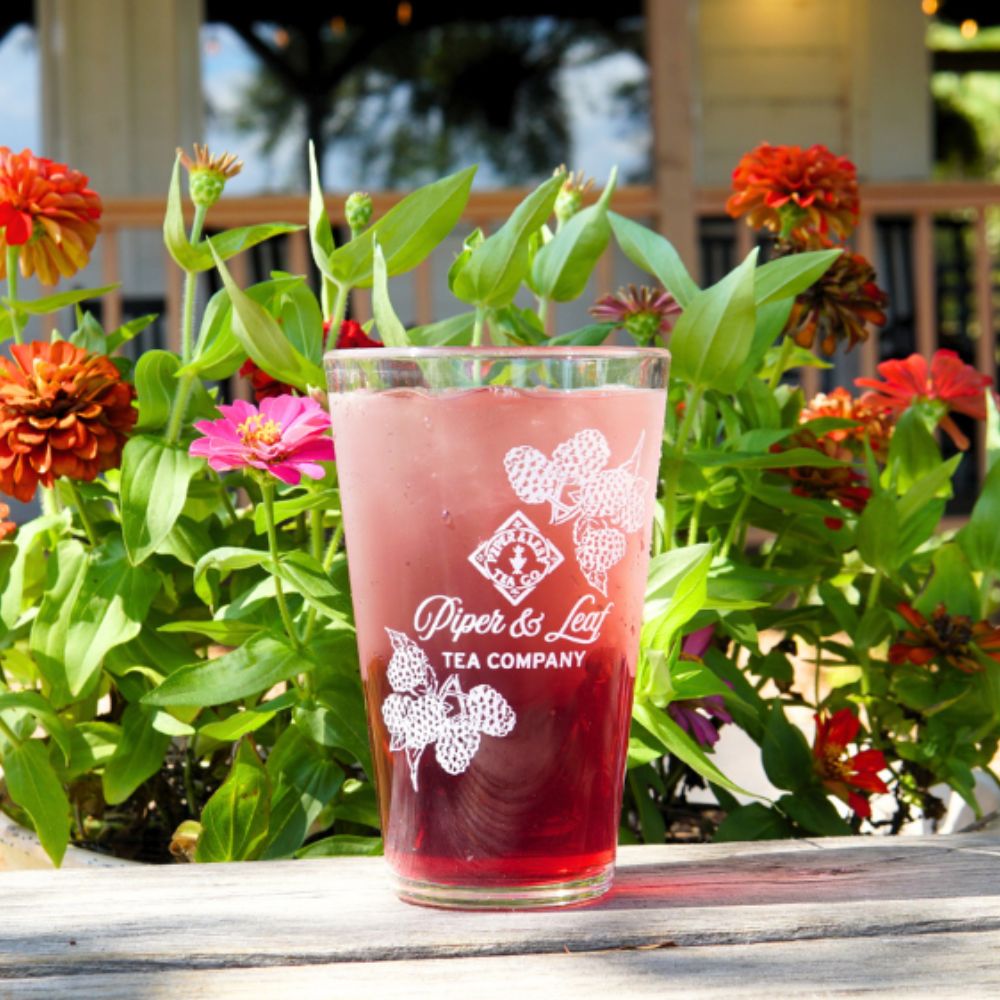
[[47, 209], [949, 383], [63, 412], [841, 773], [644, 312], [796, 192], [872, 422], [843, 485], [265, 386], [953, 638], [838, 305]]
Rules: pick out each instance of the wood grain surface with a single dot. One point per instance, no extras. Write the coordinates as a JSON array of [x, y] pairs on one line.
[[804, 918]]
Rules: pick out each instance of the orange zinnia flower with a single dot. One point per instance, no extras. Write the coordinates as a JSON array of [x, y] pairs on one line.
[[797, 193], [947, 382], [955, 639], [63, 412], [844, 775], [6, 527], [872, 422], [49, 212]]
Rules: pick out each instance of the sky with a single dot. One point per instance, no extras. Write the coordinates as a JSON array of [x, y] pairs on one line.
[[600, 137]]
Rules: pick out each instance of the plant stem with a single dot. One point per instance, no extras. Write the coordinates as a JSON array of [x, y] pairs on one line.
[[189, 790], [226, 501], [184, 386], [331, 549], [88, 525], [9, 734], [734, 525], [787, 346], [13, 253], [190, 288], [543, 312], [691, 406], [692, 403], [769, 561], [693, 522], [477, 327], [267, 494], [338, 311], [316, 551]]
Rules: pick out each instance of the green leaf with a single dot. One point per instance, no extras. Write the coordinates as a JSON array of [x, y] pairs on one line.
[[913, 452], [562, 267], [35, 787], [320, 231], [456, 331], [712, 337], [125, 333], [752, 822], [201, 257], [33, 702], [263, 339], [342, 845], [770, 321], [110, 607], [680, 744], [306, 576], [656, 256], [235, 819], [792, 458], [53, 303], [494, 270], [951, 584], [785, 754], [874, 628], [156, 388], [788, 276], [225, 560], [154, 487], [257, 666], [338, 719], [837, 604], [407, 233], [980, 538], [586, 336], [814, 812], [290, 506], [390, 328], [138, 756], [186, 542], [878, 533], [238, 724], [29, 565], [935, 484], [226, 632]]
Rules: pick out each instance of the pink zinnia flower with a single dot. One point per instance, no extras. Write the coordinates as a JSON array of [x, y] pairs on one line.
[[287, 437]]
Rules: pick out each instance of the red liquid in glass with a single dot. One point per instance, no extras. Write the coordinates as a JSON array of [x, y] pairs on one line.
[[424, 489]]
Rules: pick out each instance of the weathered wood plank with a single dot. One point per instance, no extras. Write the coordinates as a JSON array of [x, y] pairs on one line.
[[957, 963], [109, 922]]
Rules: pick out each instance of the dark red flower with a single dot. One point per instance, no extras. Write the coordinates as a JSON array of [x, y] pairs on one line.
[[873, 422], [49, 212], [797, 193], [645, 312], [840, 484], [838, 306], [353, 335], [841, 773], [950, 383], [264, 386], [63, 412], [951, 638]]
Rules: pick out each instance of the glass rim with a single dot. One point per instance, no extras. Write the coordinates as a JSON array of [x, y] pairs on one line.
[[562, 352]]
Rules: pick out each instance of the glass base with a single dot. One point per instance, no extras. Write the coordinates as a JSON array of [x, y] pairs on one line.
[[534, 895]]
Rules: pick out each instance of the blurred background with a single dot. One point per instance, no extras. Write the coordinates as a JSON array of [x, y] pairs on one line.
[[393, 94]]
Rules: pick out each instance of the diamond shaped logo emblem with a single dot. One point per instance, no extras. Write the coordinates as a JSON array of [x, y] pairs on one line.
[[516, 558]]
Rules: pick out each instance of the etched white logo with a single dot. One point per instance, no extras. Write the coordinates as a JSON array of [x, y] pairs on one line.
[[605, 505], [516, 558], [419, 714]]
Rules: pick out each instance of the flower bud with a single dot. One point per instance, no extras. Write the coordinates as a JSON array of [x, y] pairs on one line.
[[569, 201], [358, 210], [207, 174]]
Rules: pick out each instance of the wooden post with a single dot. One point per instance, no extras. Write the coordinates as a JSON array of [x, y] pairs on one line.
[[986, 343], [924, 292], [670, 47], [866, 247], [111, 269]]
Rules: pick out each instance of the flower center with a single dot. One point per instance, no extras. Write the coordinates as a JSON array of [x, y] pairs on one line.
[[256, 431], [831, 765], [953, 632]]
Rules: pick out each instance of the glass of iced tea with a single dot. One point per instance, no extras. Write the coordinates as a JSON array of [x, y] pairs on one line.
[[498, 508]]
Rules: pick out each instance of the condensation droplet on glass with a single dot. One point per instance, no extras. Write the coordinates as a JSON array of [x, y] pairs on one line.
[[446, 516]]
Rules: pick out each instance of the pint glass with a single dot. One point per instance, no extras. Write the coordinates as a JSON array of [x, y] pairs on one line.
[[498, 506]]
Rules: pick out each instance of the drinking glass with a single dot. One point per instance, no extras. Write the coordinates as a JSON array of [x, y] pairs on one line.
[[498, 506]]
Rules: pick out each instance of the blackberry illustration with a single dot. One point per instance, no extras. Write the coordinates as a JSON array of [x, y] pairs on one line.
[[583, 455], [395, 710], [457, 745], [409, 665], [597, 552], [605, 494], [632, 516], [489, 711], [531, 474], [426, 720]]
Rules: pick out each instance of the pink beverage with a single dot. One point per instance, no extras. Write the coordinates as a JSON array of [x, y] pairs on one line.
[[498, 541]]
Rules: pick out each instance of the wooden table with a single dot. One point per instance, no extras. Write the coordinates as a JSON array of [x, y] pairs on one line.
[[776, 919]]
